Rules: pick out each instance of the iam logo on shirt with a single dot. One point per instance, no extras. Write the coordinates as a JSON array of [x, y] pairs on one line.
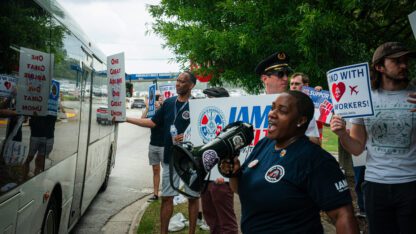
[[274, 174], [211, 122]]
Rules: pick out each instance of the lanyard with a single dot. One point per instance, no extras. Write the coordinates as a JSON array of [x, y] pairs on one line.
[[180, 109]]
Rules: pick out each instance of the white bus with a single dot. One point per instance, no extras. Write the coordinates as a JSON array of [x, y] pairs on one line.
[[53, 162]]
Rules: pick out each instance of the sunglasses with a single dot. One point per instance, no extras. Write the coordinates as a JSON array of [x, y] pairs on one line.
[[279, 74]]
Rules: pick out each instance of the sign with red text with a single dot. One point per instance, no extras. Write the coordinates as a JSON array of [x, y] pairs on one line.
[[167, 91], [35, 72], [349, 88], [116, 87]]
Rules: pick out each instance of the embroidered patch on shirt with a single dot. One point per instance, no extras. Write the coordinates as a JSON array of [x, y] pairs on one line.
[[274, 174], [185, 115]]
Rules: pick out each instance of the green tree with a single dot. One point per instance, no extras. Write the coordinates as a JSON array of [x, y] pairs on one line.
[[233, 36], [25, 24]]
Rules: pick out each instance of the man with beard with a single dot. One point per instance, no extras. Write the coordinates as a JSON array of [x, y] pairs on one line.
[[174, 117], [390, 139]]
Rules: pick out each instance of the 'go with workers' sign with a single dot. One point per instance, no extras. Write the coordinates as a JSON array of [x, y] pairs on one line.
[[349, 87]]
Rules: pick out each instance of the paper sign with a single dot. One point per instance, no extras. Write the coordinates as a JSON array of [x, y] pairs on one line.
[[53, 102], [167, 91], [322, 102], [349, 87], [412, 20], [35, 74], [7, 85], [116, 86], [151, 100]]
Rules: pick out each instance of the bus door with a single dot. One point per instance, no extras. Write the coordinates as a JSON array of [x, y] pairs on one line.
[[85, 115]]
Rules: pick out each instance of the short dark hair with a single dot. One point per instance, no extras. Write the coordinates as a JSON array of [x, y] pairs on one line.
[[191, 76], [305, 78], [304, 105]]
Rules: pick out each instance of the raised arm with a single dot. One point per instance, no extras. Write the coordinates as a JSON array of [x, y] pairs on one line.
[[147, 123], [344, 220], [355, 141]]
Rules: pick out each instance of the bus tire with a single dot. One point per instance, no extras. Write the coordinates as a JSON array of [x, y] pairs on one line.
[[107, 173], [51, 219]]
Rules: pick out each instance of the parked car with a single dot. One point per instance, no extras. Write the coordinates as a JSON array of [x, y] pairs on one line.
[[138, 103], [103, 117]]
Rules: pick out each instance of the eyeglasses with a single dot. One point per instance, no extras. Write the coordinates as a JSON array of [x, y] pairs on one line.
[[295, 83]]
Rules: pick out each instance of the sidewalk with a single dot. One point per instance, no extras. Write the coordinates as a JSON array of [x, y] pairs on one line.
[[128, 219]]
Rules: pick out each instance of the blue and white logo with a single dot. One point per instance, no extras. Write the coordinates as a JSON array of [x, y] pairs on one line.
[[211, 122]]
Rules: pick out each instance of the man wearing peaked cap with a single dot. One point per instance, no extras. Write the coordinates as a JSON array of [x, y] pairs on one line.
[[274, 71]]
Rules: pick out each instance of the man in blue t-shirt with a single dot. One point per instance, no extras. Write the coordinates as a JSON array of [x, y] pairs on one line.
[[174, 117]]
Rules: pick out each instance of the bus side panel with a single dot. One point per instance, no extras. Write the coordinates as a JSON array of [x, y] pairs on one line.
[[32, 203], [8, 214], [96, 168]]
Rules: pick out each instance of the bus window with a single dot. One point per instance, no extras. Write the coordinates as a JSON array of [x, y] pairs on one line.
[[67, 72], [27, 30]]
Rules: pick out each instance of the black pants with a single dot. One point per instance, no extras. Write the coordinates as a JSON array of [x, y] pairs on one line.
[[390, 208]]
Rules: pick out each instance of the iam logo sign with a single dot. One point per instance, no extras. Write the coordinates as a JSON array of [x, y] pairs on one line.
[[211, 121]]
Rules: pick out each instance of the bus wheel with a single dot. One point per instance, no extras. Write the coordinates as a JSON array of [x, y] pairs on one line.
[[107, 173], [51, 219]]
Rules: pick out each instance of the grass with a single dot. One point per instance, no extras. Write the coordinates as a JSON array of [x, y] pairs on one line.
[[150, 222], [329, 140]]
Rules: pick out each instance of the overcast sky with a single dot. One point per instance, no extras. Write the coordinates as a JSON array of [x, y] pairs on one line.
[[120, 26]]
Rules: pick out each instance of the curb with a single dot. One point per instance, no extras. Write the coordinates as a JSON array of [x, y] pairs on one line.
[[127, 220], [138, 216]]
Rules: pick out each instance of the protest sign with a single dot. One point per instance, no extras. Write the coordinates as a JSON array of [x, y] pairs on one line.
[[210, 116], [7, 85], [349, 87], [53, 102], [35, 74], [167, 91], [322, 102], [116, 86], [151, 100]]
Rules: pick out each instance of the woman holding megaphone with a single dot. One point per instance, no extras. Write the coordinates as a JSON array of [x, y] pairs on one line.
[[287, 180]]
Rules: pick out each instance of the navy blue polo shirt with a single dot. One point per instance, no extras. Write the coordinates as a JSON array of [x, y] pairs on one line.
[[156, 135], [166, 116], [284, 192]]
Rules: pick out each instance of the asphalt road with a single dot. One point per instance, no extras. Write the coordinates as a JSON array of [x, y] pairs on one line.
[[130, 179]]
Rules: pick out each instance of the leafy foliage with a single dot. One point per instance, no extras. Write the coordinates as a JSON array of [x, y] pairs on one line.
[[24, 24], [233, 36]]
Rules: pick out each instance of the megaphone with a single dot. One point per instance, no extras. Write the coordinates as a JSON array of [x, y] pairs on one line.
[[192, 164]]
